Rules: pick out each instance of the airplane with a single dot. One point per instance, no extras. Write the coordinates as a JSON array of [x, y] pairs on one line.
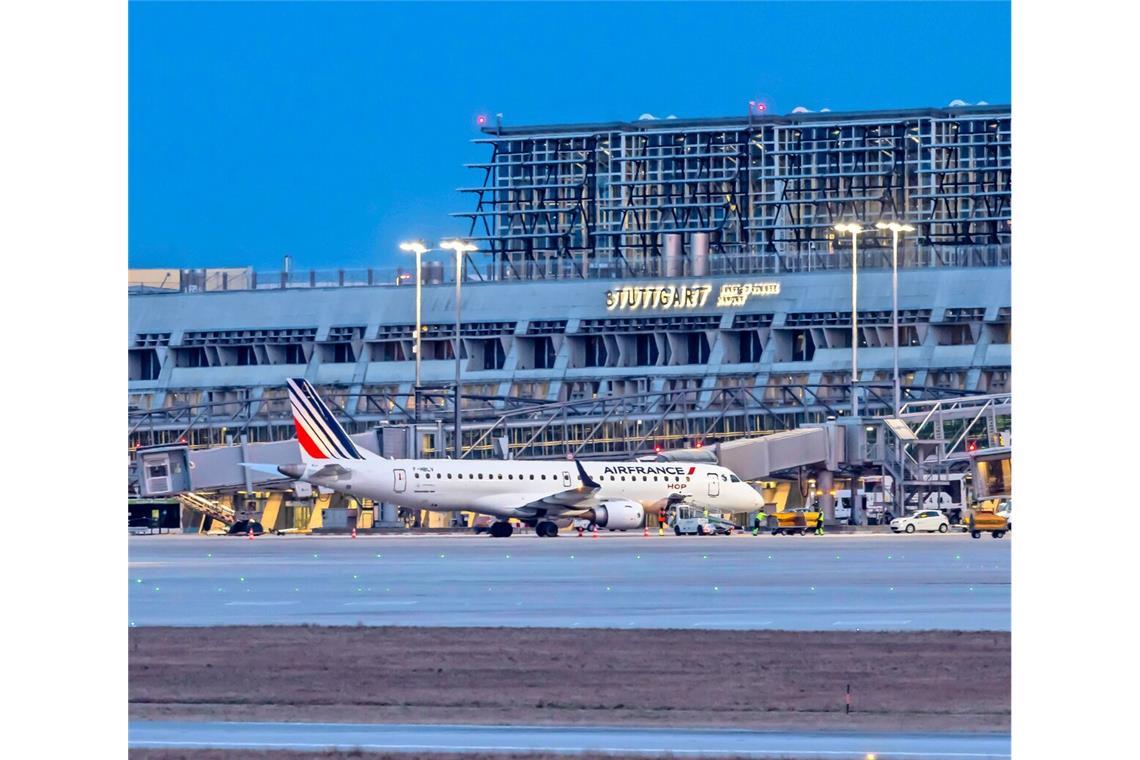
[[614, 495]]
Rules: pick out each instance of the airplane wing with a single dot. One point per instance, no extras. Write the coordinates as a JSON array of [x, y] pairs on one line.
[[263, 469], [569, 500], [324, 471]]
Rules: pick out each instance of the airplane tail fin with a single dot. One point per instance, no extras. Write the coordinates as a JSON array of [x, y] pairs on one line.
[[320, 435]]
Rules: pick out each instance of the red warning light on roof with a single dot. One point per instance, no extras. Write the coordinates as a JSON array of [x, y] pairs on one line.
[[760, 107], [481, 120]]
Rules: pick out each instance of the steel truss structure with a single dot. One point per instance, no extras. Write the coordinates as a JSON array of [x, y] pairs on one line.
[[612, 426], [743, 195]]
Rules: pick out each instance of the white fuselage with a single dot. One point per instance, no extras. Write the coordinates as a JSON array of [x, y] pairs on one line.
[[502, 488]]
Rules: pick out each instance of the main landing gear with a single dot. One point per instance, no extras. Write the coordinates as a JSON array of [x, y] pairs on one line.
[[501, 529], [546, 529]]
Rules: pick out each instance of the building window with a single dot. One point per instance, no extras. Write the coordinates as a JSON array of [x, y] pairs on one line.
[[698, 346], [803, 346], [955, 335], [244, 356], [143, 364], [595, 351], [908, 335], [999, 332], [647, 352], [494, 357], [750, 348], [388, 351], [543, 353], [340, 353], [195, 356], [295, 354]]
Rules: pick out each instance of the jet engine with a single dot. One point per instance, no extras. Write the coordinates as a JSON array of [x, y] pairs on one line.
[[619, 515]]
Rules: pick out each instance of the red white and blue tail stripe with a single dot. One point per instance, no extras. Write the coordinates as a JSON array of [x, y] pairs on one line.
[[318, 432]]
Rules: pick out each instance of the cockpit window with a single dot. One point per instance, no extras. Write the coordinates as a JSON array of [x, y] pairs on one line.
[[734, 479]]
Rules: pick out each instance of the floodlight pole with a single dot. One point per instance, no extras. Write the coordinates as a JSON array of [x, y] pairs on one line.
[[461, 249], [854, 229], [458, 353], [419, 249], [854, 325]]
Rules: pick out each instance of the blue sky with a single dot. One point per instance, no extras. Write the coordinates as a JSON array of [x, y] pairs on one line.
[[331, 131]]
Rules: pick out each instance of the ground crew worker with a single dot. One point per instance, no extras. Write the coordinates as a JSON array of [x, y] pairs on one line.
[[662, 518], [819, 525], [757, 523]]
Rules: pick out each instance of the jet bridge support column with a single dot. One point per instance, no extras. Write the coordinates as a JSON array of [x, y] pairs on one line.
[[825, 483]]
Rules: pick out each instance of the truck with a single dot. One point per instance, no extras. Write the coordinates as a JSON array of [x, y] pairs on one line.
[[691, 521]]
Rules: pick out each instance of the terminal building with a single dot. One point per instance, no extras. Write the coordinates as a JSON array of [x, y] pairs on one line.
[[638, 287]]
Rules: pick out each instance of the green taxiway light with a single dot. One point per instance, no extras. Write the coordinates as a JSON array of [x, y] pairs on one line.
[[716, 588], [156, 588], [138, 580], [209, 556]]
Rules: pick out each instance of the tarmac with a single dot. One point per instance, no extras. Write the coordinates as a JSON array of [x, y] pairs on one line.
[[676, 742], [618, 580]]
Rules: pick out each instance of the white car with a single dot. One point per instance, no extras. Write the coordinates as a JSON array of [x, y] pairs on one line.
[[929, 520]]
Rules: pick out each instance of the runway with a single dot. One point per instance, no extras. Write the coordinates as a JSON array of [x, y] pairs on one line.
[[861, 582], [458, 738]]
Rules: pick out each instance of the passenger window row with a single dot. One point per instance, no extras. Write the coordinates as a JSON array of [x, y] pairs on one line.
[[510, 476]]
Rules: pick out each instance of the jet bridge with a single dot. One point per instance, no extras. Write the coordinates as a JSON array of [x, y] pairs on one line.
[[179, 470]]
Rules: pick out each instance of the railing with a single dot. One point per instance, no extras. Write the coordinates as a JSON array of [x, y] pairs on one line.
[[512, 266]]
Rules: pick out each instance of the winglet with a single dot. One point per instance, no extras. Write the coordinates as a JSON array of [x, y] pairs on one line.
[[586, 479]]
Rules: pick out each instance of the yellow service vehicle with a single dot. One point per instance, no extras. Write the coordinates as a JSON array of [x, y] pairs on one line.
[[984, 518], [796, 522]]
